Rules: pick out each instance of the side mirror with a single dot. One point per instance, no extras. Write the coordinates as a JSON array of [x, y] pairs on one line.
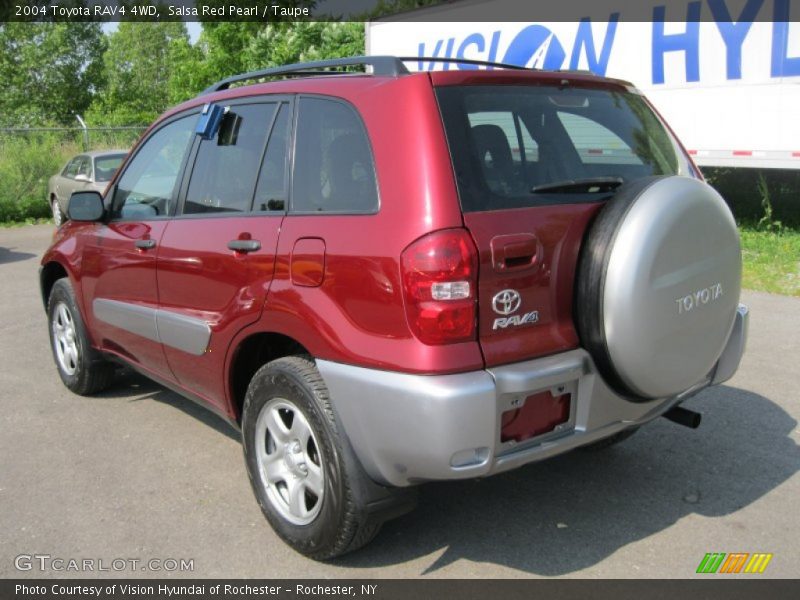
[[82, 177], [85, 206]]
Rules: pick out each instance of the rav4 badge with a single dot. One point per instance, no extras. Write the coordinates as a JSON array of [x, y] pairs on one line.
[[507, 302], [503, 322]]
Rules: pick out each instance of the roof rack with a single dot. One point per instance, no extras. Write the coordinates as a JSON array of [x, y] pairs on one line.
[[577, 72], [463, 61], [389, 66]]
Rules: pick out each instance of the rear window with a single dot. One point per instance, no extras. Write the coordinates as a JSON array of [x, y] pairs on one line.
[[507, 142], [106, 166]]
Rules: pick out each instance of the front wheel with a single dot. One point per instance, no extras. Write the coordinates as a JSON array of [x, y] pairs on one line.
[[300, 464], [58, 214], [80, 366]]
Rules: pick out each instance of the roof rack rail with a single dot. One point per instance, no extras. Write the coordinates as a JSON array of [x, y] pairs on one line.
[[577, 72], [463, 61], [381, 65]]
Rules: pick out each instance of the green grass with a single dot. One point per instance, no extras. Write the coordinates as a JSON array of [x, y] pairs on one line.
[[771, 261], [26, 221]]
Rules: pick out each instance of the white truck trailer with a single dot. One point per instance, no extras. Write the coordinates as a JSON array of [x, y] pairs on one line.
[[724, 73]]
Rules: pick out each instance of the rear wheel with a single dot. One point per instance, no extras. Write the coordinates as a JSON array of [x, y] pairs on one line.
[[290, 461], [302, 470], [82, 369]]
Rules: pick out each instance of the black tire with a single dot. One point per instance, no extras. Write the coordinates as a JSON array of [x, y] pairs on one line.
[[88, 373], [591, 281], [345, 520], [661, 247], [610, 441]]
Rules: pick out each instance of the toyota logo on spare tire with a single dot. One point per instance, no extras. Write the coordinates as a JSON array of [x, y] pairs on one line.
[[506, 302]]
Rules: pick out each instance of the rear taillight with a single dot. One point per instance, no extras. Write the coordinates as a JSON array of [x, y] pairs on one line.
[[440, 280]]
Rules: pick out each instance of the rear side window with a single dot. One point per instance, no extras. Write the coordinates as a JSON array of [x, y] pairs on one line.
[[333, 166], [226, 168], [508, 141]]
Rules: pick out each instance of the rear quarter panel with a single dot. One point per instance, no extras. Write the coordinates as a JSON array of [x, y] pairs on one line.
[[357, 315]]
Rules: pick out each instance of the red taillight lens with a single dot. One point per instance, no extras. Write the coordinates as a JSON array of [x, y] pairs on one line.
[[440, 283]]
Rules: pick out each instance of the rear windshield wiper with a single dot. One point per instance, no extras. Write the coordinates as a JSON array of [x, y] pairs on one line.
[[589, 185]]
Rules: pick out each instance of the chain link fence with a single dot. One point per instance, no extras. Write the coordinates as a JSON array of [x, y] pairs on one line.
[[30, 156]]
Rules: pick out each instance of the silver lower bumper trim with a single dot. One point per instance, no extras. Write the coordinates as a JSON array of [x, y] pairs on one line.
[[408, 428]]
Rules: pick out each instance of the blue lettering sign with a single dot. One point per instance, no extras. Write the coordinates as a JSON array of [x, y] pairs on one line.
[[783, 65], [585, 39], [733, 33], [535, 47], [493, 47], [436, 49], [476, 39], [687, 42]]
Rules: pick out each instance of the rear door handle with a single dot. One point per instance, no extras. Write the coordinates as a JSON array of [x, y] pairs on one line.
[[515, 252], [145, 244], [244, 245]]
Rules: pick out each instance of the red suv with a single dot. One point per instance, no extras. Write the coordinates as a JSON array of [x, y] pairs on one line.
[[387, 278]]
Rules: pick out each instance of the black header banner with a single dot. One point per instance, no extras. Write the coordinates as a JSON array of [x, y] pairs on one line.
[[732, 11]]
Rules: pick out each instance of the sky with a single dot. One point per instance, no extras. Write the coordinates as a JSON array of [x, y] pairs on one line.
[[334, 6], [192, 27]]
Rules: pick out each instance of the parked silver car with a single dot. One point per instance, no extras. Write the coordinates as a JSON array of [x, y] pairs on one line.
[[90, 171]]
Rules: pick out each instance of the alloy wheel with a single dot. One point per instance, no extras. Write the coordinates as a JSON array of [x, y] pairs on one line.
[[289, 461]]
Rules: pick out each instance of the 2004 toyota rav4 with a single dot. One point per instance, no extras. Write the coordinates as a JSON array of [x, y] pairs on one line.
[[388, 278]]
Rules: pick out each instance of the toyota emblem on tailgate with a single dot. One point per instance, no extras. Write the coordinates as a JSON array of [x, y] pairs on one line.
[[506, 302]]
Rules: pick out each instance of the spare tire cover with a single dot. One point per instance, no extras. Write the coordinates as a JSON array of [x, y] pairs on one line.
[[658, 284]]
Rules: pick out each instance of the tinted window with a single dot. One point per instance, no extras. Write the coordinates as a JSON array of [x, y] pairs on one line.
[[106, 166], [147, 187], [271, 188], [333, 166], [506, 140], [226, 167], [523, 147], [504, 146], [595, 143]]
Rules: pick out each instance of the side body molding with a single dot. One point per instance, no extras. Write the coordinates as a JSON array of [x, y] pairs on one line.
[[172, 329]]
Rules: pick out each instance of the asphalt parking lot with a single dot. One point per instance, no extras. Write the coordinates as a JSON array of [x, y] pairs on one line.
[[138, 472]]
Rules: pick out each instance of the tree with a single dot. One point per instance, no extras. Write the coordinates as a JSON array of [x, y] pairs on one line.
[[189, 72], [302, 41], [228, 48], [50, 71], [139, 65]]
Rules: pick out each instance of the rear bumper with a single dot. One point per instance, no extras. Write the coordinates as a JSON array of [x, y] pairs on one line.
[[406, 429]]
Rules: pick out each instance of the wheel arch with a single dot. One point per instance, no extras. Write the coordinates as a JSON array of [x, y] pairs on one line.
[[50, 272], [249, 353]]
